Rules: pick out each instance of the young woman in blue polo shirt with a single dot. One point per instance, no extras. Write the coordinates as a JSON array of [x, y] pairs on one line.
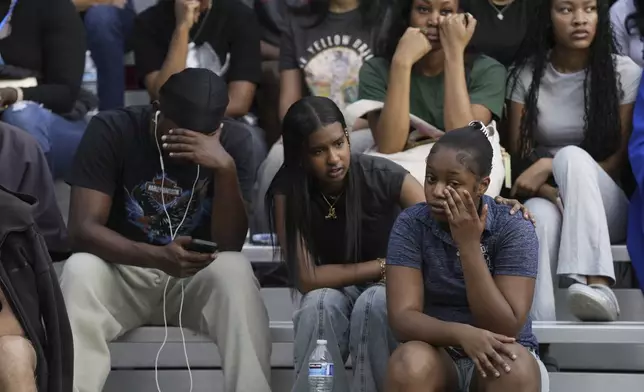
[[460, 280]]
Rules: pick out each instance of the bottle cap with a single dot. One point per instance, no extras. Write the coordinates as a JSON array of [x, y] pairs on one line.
[[321, 341]]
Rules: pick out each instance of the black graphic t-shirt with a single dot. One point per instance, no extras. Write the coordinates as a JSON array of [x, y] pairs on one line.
[[380, 186], [118, 157], [329, 54]]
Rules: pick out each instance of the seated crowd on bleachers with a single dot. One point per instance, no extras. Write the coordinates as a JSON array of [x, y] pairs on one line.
[[429, 170]]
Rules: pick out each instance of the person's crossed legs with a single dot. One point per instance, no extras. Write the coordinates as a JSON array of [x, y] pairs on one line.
[[17, 355], [418, 366]]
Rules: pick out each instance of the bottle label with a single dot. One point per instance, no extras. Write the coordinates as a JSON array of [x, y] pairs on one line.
[[320, 369]]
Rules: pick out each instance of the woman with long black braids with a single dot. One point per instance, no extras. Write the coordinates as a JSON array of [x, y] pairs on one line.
[[333, 212], [571, 103]]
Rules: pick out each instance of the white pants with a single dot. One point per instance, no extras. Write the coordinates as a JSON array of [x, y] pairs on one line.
[[578, 243], [105, 300]]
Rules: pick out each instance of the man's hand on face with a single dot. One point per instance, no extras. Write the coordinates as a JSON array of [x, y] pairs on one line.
[[199, 148]]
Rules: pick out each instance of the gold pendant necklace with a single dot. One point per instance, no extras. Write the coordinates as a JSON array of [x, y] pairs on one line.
[[331, 213]]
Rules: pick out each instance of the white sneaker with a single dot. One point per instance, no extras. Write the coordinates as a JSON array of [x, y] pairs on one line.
[[595, 302]]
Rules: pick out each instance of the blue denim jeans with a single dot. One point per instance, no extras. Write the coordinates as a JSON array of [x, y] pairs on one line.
[[107, 30], [353, 321], [58, 137]]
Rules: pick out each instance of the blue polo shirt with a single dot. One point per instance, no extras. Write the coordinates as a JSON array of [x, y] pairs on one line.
[[509, 245]]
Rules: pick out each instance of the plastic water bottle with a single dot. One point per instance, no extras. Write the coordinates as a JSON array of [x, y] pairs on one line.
[[321, 369], [90, 77]]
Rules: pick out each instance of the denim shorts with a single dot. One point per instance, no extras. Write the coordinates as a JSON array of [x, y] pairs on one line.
[[465, 371]]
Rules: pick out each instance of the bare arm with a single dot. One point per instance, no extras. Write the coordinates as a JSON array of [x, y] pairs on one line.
[[515, 112], [458, 110], [615, 163], [531, 180], [500, 304], [175, 61], [359, 124], [405, 301], [87, 218], [311, 277], [406, 289], [290, 89], [241, 94], [391, 127], [229, 220], [83, 5]]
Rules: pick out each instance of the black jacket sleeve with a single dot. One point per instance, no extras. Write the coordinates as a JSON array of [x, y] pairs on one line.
[[63, 46], [30, 175]]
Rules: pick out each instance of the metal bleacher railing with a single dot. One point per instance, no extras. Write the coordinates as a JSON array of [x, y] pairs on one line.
[[596, 357]]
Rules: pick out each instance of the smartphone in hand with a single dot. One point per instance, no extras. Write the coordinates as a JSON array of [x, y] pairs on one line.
[[202, 246]]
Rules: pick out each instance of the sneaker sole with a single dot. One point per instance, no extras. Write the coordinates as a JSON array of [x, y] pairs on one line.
[[586, 308]]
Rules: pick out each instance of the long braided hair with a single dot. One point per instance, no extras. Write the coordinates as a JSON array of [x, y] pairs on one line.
[[602, 95]]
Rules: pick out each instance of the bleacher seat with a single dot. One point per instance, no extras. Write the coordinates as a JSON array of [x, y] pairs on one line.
[[133, 354]]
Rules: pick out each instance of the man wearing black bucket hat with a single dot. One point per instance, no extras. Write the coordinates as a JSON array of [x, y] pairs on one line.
[[148, 181]]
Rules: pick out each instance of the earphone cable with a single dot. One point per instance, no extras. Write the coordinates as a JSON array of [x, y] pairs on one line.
[[173, 235]]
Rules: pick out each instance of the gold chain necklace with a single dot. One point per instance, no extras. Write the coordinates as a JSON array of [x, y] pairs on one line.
[[331, 213]]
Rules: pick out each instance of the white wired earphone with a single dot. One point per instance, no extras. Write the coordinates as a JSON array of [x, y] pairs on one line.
[[173, 234]]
